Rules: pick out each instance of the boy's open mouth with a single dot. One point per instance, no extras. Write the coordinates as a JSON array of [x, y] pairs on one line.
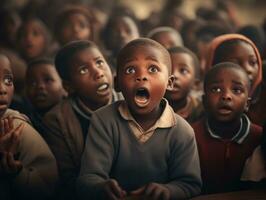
[[103, 89], [142, 97]]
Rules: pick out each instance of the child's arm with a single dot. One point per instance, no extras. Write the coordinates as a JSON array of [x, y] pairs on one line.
[[184, 166], [94, 181], [38, 175], [9, 140]]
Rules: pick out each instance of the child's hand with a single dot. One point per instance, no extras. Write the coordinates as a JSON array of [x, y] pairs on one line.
[[153, 191], [9, 165], [113, 191], [9, 136]]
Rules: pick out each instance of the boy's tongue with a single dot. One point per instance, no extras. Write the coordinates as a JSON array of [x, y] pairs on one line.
[[142, 97]]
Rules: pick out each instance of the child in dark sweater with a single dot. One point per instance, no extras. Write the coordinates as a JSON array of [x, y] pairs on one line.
[[87, 79], [226, 137], [139, 146]]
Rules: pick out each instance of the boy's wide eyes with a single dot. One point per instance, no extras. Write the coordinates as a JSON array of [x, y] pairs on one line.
[[99, 62], [83, 70], [130, 70], [153, 69], [216, 89], [237, 90], [8, 80]]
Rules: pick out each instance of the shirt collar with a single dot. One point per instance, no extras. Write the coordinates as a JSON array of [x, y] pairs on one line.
[[239, 136], [166, 120]]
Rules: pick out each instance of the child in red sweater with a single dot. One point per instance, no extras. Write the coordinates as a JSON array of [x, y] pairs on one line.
[[225, 137]]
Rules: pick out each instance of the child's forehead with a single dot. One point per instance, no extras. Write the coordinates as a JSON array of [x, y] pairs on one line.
[[143, 50], [4, 62], [228, 73], [89, 51]]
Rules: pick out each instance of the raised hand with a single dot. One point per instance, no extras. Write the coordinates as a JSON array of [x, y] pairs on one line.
[[9, 136]]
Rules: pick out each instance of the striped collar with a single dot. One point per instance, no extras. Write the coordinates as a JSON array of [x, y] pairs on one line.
[[241, 134]]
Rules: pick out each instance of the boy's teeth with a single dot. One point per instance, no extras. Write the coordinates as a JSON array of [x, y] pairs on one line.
[[103, 87]]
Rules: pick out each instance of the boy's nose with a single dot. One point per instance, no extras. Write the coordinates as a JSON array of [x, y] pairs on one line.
[[226, 96], [98, 73], [141, 79]]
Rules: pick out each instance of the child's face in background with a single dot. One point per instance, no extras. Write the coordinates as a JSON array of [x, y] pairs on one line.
[[243, 54], [44, 86], [32, 41], [168, 39], [124, 30], [226, 95], [184, 76], [91, 78], [143, 78], [76, 27], [6, 84]]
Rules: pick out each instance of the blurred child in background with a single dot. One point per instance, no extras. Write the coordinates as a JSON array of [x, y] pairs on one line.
[[27, 167], [186, 72]]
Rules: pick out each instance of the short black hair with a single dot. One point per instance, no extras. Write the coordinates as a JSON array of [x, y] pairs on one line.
[[223, 65], [40, 60], [66, 53], [196, 63], [143, 42]]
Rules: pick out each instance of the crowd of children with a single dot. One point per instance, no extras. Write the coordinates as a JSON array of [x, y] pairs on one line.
[[100, 105]]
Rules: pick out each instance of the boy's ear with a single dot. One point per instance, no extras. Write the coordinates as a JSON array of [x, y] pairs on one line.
[[116, 85], [170, 84], [67, 86], [247, 104]]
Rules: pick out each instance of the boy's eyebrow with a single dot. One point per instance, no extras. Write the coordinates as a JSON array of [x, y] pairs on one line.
[[237, 82], [153, 58], [97, 58]]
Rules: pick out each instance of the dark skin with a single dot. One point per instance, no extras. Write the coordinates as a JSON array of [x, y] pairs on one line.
[[225, 100], [91, 78], [143, 78], [184, 79], [9, 135]]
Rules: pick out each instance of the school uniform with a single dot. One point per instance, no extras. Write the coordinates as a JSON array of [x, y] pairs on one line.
[[222, 160], [117, 147]]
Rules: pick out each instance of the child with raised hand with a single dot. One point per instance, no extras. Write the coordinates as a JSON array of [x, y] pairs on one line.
[[34, 39], [166, 36], [27, 167], [139, 146], [74, 22], [225, 137], [88, 80], [44, 89], [239, 49], [186, 72]]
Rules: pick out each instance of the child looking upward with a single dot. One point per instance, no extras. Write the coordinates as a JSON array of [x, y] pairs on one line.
[[139, 146], [226, 137], [87, 79], [186, 72], [27, 167]]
